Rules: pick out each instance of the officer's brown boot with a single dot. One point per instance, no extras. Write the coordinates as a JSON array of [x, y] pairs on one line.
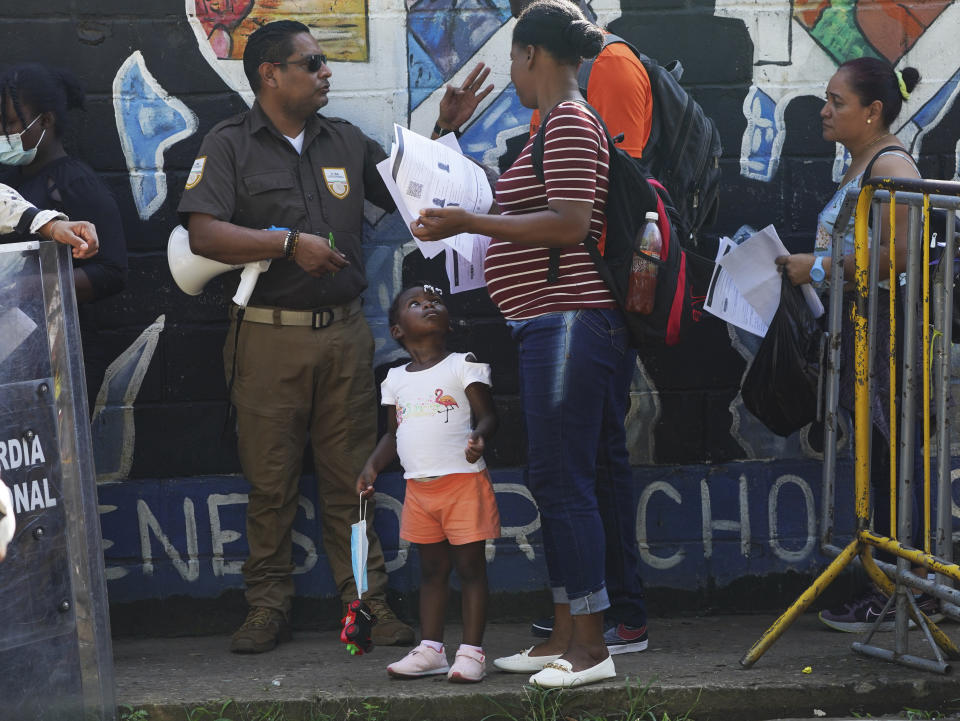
[[262, 631], [388, 630]]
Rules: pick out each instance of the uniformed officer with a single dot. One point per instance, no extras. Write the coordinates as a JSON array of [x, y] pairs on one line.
[[304, 352]]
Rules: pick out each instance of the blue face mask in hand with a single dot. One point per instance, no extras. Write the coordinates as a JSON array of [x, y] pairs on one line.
[[11, 147], [359, 548]]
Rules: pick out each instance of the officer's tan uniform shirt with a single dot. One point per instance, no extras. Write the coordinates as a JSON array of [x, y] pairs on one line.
[[248, 174]]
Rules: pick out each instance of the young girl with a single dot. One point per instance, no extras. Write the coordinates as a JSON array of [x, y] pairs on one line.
[[449, 509]]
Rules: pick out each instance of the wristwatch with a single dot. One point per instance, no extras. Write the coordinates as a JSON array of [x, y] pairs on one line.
[[817, 273]]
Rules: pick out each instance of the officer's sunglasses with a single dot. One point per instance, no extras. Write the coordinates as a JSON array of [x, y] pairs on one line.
[[312, 63]]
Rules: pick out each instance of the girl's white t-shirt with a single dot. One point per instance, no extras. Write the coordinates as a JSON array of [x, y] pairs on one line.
[[433, 415]]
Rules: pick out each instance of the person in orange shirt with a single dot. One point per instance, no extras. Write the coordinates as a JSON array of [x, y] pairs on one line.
[[619, 89]]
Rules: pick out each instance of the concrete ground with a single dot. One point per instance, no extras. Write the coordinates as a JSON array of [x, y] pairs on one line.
[[692, 664]]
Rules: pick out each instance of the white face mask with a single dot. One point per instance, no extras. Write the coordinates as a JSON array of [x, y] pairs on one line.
[[11, 147]]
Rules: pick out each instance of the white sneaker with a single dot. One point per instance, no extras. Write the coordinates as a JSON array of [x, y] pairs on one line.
[[421, 661], [468, 667]]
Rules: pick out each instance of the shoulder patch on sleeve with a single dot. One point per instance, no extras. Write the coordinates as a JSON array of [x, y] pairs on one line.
[[196, 172]]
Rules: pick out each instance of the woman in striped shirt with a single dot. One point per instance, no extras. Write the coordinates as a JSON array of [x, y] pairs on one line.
[[575, 363]]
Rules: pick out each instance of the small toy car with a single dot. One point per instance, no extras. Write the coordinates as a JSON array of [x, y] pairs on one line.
[[357, 625]]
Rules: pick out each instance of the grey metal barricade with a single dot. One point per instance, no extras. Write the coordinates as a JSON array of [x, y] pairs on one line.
[[925, 389]]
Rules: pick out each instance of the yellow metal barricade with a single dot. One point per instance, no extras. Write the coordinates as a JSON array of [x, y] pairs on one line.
[[922, 364]]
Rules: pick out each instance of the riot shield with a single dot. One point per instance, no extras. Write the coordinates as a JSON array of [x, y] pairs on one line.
[[55, 654]]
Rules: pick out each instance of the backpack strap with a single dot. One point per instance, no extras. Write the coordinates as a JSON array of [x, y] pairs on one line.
[[583, 74], [536, 159], [536, 150]]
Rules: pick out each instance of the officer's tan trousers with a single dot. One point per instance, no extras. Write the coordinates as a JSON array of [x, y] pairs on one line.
[[293, 384]]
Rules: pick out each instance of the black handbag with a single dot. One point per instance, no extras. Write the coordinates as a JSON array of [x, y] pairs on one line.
[[782, 386]]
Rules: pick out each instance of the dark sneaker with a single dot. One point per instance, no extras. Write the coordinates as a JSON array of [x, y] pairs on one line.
[[930, 607], [861, 613], [542, 627], [388, 630], [262, 631], [621, 638]]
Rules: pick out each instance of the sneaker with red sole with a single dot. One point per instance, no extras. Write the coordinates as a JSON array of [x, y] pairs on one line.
[[469, 666], [621, 638]]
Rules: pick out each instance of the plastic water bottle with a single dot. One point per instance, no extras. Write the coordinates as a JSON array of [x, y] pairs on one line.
[[642, 288]]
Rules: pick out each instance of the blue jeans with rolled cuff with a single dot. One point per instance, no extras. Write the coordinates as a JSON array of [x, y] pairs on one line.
[[575, 372]]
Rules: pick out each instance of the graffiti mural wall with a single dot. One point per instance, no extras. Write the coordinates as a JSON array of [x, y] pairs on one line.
[[724, 498], [798, 46]]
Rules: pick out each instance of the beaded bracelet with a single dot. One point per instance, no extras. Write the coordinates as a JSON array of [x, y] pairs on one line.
[[290, 243]]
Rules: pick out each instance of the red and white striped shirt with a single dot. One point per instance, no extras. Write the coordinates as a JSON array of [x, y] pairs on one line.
[[575, 167]]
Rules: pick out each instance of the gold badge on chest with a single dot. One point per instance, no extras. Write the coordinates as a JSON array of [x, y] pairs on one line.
[[337, 182]]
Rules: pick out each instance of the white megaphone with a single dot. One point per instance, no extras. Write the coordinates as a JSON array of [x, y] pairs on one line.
[[191, 271]]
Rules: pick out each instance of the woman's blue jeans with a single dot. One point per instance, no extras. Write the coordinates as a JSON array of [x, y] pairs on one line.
[[575, 373]]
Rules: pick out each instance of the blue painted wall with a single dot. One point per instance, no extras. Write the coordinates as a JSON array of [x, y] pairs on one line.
[[697, 525]]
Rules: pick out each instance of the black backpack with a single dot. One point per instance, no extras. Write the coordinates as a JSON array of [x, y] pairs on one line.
[[684, 149], [630, 194]]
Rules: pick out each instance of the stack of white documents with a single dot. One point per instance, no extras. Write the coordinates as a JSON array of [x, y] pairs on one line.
[[422, 173], [745, 287]]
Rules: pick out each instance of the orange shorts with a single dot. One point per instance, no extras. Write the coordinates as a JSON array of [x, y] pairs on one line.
[[459, 508]]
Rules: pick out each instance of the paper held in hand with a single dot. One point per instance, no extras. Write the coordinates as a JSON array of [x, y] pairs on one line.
[[745, 287], [725, 300], [422, 173]]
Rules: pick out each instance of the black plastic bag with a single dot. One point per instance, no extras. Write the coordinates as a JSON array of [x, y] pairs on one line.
[[782, 386]]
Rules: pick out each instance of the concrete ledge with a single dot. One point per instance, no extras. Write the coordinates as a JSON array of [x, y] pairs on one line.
[[692, 663]]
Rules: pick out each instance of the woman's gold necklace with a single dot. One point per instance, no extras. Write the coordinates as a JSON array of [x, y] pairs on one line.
[[876, 140], [866, 147]]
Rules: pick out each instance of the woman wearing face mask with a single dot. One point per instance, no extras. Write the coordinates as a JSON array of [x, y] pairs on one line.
[[34, 101]]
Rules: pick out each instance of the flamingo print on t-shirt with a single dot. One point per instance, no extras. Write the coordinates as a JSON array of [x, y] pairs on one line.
[[446, 403]]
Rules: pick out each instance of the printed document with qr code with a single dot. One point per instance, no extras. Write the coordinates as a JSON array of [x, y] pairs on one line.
[[424, 173]]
